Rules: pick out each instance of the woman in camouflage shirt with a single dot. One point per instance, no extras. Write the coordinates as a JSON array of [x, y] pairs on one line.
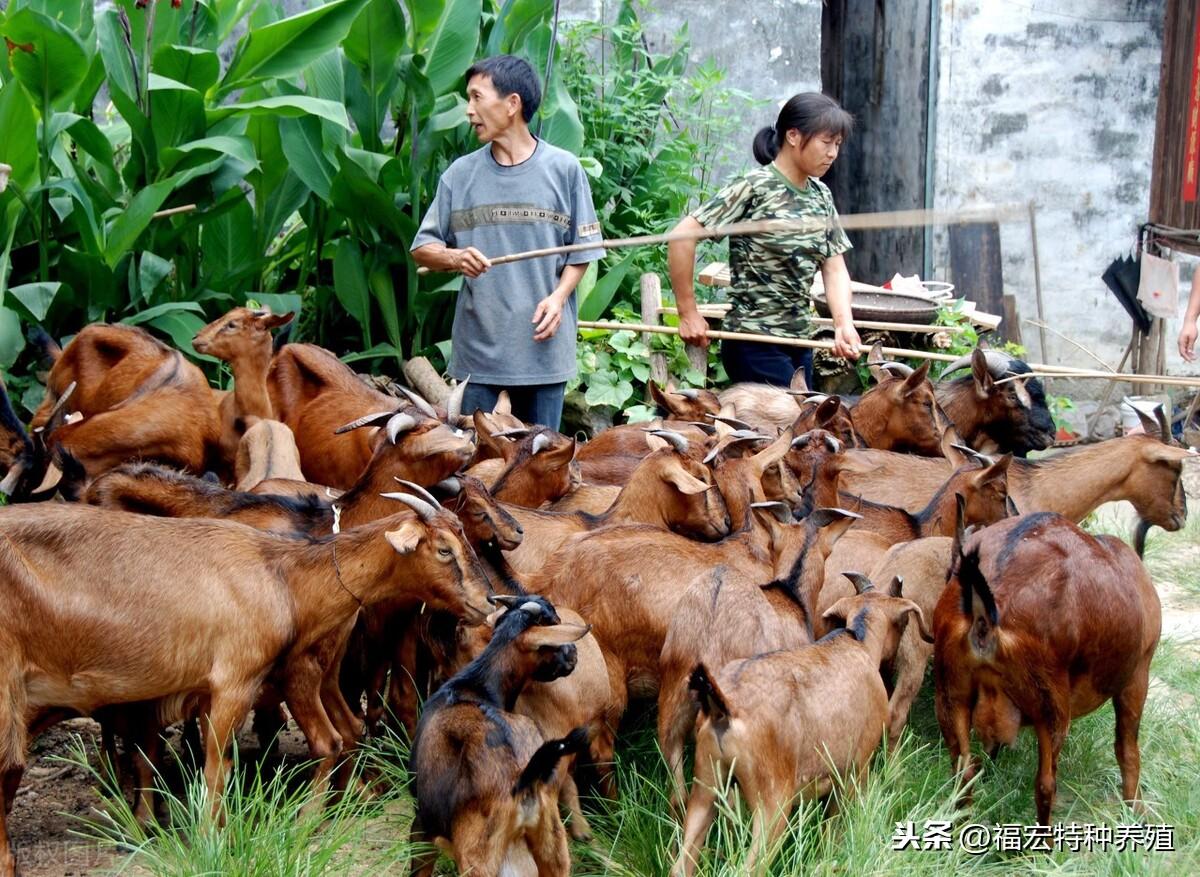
[[772, 275]]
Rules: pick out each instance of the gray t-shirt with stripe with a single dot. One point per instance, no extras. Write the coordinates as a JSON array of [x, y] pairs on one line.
[[544, 201]]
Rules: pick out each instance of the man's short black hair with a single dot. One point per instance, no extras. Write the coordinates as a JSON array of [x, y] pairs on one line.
[[511, 75]]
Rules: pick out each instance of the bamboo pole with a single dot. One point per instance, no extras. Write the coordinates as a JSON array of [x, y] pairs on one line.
[[172, 211], [852, 221], [1037, 369]]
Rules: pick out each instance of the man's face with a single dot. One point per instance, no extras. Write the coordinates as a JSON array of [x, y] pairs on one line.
[[489, 113]]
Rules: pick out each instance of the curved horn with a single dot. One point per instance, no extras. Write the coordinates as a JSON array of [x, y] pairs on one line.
[[509, 600], [420, 491], [418, 505], [801, 441], [452, 485], [688, 393], [833, 445], [974, 454], [541, 441], [376, 419], [730, 421], [9, 484], [897, 367], [960, 363], [400, 423], [418, 400], [677, 440], [742, 435], [1161, 416], [875, 356], [861, 583], [810, 395], [706, 428], [517, 432], [454, 401]]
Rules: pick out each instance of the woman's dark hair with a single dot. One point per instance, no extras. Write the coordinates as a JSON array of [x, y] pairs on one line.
[[511, 75], [810, 113]]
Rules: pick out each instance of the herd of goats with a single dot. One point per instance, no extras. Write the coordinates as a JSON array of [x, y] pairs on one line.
[[776, 567]]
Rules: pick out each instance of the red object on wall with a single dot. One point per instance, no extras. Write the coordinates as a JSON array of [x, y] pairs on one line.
[[1191, 162]]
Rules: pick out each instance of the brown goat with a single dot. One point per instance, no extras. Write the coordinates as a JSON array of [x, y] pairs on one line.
[[1138, 468], [267, 452], [900, 414], [829, 413], [242, 338], [486, 785], [996, 417], [1039, 624], [610, 457], [162, 607], [725, 615], [139, 398], [314, 393], [668, 489], [686, 404], [782, 723]]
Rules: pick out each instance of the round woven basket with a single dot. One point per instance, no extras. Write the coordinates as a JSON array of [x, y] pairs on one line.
[[889, 307]]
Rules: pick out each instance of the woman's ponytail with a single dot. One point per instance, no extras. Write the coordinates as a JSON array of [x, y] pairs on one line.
[[766, 145]]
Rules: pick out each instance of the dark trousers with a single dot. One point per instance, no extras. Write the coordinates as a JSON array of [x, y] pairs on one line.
[[765, 363], [540, 403]]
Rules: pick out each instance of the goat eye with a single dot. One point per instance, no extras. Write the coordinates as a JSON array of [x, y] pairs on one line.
[[444, 552]]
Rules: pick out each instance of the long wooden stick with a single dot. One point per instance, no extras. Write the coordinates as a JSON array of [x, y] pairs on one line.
[[852, 221], [1037, 369]]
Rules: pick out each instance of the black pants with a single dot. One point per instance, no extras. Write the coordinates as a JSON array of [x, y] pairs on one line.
[[765, 363]]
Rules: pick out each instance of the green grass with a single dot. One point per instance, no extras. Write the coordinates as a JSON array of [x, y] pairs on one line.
[[268, 833]]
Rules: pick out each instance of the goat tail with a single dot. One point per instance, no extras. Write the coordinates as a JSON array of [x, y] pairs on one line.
[[48, 349], [542, 765], [978, 604], [712, 701]]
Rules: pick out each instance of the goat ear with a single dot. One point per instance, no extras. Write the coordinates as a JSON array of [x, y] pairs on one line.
[[683, 481], [657, 395], [913, 382], [656, 443], [503, 404], [922, 627], [995, 471], [1011, 507], [984, 382], [827, 410], [274, 321], [405, 539], [798, 381], [960, 518], [553, 635], [774, 452], [484, 434], [896, 587], [830, 516], [840, 610]]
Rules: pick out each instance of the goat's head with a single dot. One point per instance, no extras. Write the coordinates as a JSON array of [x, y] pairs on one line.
[[18, 456], [890, 604], [413, 446], [431, 547], [498, 436], [539, 471], [901, 414], [544, 647], [991, 410], [829, 413], [983, 485], [1155, 481], [816, 458], [689, 496], [240, 332], [485, 522], [686, 404]]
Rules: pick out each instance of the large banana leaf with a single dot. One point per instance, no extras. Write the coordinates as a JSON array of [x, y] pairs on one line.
[[286, 47], [18, 135], [46, 57], [449, 35]]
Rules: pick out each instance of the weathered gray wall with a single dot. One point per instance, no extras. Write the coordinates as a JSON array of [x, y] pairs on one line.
[[1058, 109]]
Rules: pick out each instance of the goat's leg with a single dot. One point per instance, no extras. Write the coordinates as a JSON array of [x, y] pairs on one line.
[[707, 783], [547, 841], [1050, 735], [303, 692], [676, 716], [569, 797], [8, 789], [147, 757], [954, 717], [1128, 704], [911, 660], [481, 843], [227, 710], [402, 692]]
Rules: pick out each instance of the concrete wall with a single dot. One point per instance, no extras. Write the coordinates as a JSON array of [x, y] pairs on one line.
[[1058, 109]]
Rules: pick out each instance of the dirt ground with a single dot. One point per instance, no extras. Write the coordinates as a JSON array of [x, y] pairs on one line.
[[45, 820]]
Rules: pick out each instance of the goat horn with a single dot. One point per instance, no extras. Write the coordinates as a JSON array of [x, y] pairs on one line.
[[974, 454], [420, 491], [742, 435], [833, 445], [454, 401], [509, 600], [960, 363], [999, 363], [875, 356], [706, 428], [400, 423], [531, 607], [418, 400], [801, 441], [730, 421], [541, 441], [418, 505], [897, 367], [677, 440], [781, 511], [689, 393], [451, 485], [366, 420], [861, 583], [516, 432], [9, 484], [1161, 416], [58, 412]]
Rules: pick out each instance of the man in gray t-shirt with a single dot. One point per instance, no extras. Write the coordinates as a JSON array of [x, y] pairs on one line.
[[514, 324]]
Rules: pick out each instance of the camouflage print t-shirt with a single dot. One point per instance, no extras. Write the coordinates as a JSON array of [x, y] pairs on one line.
[[772, 274]]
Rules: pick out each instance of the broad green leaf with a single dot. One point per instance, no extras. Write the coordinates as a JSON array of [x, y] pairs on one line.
[[181, 328], [176, 112], [517, 18], [12, 340], [284, 106], [158, 310], [302, 144], [18, 134], [379, 351], [197, 68], [594, 306], [239, 148], [86, 135], [91, 281], [36, 298], [286, 47], [605, 389], [48, 59], [375, 40], [284, 200], [450, 47], [227, 243], [350, 284], [115, 53], [279, 302], [152, 271], [384, 291], [89, 228], [368, 111]]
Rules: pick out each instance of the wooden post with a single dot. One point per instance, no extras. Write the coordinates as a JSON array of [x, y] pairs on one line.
[[651, 302]]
